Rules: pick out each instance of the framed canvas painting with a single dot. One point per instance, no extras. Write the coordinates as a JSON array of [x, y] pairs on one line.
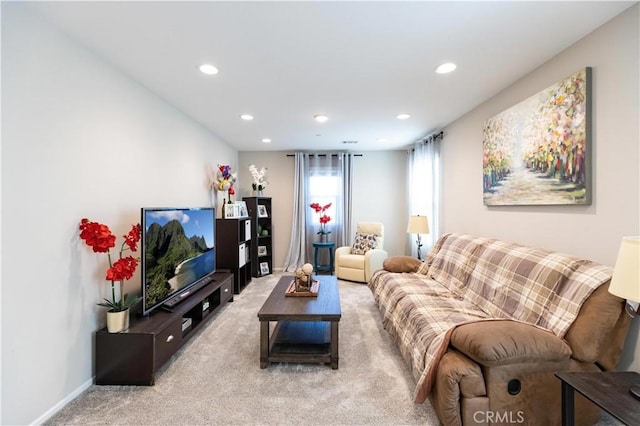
[[538, 152]]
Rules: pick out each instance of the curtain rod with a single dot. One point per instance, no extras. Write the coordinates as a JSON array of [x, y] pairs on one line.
[[324, 155], [434, 137]]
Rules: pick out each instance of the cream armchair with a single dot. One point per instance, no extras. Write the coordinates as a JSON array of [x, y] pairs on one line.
[[359, 267]]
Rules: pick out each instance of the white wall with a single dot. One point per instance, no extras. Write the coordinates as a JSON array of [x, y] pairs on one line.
[[594, 231], [379, 190], [79, 139]]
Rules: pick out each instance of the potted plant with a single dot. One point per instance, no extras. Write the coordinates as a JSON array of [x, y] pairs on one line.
[[259, 179], [324, 218], [100, 238]]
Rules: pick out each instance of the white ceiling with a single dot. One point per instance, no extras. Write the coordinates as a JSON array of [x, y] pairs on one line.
[[361, 63]]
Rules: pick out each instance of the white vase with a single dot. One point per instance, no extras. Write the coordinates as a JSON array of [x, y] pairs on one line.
[[117, 321]]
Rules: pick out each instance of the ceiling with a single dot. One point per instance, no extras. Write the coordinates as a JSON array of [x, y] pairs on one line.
[[361, 63]]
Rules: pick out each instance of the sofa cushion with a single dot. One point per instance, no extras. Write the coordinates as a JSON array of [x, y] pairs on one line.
[[517, 282], [494, 343], [401, 264], [363, 243], [452, 260]]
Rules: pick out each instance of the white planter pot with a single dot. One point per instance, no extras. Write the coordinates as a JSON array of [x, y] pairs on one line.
[[117, 321]]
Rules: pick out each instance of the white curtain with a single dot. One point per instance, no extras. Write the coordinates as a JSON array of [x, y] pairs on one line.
[[321, 178], [423, 169]]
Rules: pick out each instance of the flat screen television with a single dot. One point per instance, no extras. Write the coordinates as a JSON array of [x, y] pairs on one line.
[[178, 251]]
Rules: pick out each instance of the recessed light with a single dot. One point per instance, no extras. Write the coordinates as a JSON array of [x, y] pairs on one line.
[[247, 117], [403, 116], [349, 142], [266, 140], [208, 69], [320, 118], [381, 139], [445, 68]]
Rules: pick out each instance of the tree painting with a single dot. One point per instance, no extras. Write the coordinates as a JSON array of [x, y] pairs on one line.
[[537, 152]]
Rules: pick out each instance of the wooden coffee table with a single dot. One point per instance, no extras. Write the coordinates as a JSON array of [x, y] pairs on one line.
[[307, 327]]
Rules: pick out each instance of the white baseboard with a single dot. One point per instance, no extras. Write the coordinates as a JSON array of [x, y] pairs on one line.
[[60, 405]]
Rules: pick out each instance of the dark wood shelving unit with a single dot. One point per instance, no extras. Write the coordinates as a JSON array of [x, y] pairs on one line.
[[133, 356], [260, 224], [233, 242]]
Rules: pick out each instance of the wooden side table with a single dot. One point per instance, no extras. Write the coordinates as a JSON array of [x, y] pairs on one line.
[[316, 248], [608, 390]]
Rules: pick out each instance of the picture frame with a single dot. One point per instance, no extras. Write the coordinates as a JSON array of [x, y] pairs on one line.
[[538, 152], [236, 210], [264, 268], [262, 211], [230, 211], [242, 208], [262, 250]]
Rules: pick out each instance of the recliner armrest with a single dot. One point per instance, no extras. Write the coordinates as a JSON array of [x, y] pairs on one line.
[[503, 342]]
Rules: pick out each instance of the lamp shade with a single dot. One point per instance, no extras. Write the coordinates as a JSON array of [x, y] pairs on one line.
[[418, 225], [625, 282]]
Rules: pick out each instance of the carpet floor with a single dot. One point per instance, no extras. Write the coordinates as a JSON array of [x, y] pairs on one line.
[[216, 377]]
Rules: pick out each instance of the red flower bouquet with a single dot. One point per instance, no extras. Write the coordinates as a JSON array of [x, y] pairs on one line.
[[324, 218], [100, 238]]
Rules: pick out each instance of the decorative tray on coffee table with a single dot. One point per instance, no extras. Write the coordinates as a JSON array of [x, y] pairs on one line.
[[291, 290]]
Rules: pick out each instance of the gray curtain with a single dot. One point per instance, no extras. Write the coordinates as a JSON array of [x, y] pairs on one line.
[[297, 247], [305, 224], [346, 172]]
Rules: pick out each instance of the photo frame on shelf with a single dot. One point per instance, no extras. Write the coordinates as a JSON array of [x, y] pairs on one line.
[[230, 211], [262, 250], [242, 208], [262, 211], [264, 268], [236, 210]]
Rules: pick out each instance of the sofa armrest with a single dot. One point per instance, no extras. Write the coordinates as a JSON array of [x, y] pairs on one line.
[[503, 342], [373, 260], [401, 264]]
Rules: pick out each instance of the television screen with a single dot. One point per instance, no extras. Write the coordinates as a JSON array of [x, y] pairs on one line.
[[178, 250]]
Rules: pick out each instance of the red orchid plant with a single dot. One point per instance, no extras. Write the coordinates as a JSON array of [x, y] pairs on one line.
[[100, 238], [323, 217]]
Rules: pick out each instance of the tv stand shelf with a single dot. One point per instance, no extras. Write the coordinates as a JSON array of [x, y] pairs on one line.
[[134, 356]]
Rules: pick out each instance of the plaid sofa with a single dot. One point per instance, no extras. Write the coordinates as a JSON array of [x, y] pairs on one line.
[[483, 324]]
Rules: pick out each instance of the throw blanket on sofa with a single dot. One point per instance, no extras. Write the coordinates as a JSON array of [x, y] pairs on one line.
[[466, 279]]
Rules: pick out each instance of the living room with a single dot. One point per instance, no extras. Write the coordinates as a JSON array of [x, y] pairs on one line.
[[83, 139]]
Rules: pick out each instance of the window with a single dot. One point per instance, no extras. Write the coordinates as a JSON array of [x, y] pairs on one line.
[[324, 190]]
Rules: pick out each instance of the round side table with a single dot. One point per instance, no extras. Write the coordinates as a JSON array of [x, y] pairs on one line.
[[317, 246]]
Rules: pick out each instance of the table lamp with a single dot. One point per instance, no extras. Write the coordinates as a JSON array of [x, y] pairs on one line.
[[418, 225], [625, 281]]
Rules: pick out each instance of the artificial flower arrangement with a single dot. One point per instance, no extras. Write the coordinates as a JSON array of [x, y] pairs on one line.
[[323, 217], [225, 180], [259, 177], [100, 238]]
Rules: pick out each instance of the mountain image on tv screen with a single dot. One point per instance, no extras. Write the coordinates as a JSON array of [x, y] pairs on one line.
[[176, 251]]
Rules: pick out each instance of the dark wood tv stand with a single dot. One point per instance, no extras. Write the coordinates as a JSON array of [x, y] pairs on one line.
[[133, 357]]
